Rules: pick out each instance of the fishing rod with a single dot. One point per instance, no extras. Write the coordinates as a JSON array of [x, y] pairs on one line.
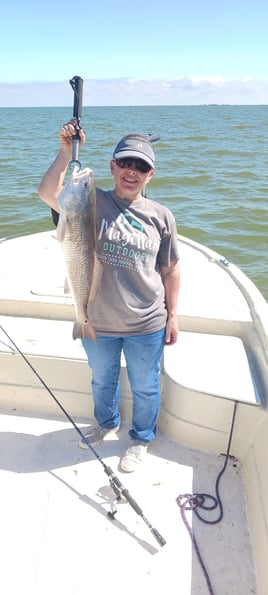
[[115, 483], [77, 86]]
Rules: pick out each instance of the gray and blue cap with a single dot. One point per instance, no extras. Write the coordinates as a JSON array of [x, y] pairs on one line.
[[137, 147]]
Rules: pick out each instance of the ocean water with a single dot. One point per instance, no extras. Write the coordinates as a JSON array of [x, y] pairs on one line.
[[212, 170]]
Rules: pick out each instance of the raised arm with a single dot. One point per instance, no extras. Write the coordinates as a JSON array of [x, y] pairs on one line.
[[52, 182]]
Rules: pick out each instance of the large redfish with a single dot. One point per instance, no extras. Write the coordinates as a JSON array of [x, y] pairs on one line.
[[77, 233]]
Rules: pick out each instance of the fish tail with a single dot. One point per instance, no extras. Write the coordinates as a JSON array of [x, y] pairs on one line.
[[84, 331]]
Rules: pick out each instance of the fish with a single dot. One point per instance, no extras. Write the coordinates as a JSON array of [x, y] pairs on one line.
[[76, 231]]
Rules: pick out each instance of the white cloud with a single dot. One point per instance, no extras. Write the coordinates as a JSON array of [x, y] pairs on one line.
[[190, 90]]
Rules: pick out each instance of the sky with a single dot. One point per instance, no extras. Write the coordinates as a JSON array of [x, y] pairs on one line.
[[134, 53]]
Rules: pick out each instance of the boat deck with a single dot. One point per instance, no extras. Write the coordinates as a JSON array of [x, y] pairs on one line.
[[57, 537]]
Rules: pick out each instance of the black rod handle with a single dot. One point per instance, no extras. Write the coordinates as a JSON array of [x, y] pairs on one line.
[[77, 85], [158, 537]]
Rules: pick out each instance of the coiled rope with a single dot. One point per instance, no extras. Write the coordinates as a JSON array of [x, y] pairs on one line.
[[196, 502]]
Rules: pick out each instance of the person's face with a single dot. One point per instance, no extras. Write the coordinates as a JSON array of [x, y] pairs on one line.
[[129, 181]]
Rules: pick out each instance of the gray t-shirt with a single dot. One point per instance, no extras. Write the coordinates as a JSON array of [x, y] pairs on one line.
[[134, 238]]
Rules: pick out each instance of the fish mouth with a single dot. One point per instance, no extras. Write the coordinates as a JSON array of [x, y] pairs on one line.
[[81, 174]]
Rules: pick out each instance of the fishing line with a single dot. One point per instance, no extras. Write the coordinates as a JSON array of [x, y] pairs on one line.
[[115, 483]]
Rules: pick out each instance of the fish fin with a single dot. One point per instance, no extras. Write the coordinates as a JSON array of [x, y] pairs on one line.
[[96, 279], [84, 331], [67, 288], [61, 228]]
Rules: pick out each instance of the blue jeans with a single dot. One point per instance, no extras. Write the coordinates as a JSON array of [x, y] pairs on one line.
[[143, 355]]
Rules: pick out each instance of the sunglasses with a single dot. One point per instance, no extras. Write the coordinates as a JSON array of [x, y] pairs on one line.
[[128, 162]]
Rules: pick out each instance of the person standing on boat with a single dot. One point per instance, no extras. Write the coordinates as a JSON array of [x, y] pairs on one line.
[[138, 314]]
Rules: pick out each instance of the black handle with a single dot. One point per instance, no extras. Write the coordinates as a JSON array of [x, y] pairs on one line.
[[158, 537], [77, 85]]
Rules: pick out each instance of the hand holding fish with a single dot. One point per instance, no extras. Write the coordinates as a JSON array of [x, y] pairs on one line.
[[67, 133], [53, 180]]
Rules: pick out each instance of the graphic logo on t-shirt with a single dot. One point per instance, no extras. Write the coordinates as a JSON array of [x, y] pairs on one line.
[[133, 222], [124, 243]]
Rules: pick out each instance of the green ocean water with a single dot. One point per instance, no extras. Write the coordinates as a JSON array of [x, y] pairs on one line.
[[212, 170]]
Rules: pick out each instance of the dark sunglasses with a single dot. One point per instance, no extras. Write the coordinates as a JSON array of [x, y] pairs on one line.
[[139, 164]]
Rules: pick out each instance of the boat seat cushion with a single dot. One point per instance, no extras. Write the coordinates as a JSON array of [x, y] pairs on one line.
[[213, 365]]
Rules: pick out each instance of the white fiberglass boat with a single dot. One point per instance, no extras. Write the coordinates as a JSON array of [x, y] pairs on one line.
[[60, 533]]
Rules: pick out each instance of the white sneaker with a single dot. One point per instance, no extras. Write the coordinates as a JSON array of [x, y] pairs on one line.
[[97, 434], [134, 456]]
